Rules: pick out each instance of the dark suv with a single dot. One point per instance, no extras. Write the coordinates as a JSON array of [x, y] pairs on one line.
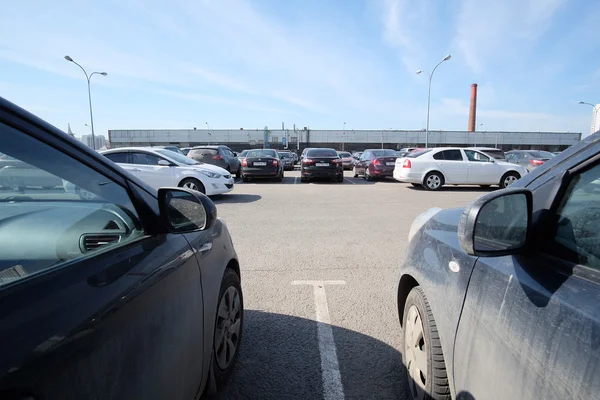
[[221, 156], [501, 299]]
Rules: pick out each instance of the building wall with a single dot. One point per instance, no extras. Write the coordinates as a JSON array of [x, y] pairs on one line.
[[339, 139]]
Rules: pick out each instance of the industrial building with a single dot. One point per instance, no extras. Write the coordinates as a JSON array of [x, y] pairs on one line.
[[349, 140]]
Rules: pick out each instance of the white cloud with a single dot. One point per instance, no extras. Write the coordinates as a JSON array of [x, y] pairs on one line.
[[494, 31]]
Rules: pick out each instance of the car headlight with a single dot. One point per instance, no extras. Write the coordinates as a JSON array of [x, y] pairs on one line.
[[421, 220], [211, 174]]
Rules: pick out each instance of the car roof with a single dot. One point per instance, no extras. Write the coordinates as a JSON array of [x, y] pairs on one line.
[[136, 148], [483, 148]]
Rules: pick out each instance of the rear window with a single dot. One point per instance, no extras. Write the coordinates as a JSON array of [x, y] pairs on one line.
[[540, 154], [117, 157], [384, 153], [497, 154], [261, 153], [243, 153], [202, 152], [285, 155], [346, 155], [418, 153], [321, 153]]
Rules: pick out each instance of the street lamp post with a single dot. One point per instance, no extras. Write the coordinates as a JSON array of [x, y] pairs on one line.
[[595, 113], [88, 77], [343, 134], [429, 96], [208, 131]]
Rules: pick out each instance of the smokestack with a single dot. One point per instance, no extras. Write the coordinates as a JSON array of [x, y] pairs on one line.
[[473, 108]]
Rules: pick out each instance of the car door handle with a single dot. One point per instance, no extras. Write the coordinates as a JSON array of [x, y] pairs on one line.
[[205, 247]]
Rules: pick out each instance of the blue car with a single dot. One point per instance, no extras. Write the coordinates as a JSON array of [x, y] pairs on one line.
[[501, 299]]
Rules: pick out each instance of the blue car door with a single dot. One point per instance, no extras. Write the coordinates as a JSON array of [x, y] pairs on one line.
[[530, 325]]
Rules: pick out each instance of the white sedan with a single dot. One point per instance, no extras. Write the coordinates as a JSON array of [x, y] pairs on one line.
[[434, 168], [165, 168]]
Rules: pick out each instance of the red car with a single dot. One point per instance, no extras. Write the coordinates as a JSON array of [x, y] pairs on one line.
[[376, 163]]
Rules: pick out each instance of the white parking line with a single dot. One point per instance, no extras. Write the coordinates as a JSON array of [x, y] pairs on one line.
[[352, 182], [295, 180], [332, 381]]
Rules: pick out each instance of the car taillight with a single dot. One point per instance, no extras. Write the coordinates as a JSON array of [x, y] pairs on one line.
[[217, 157], [336, 161], [377, 162], [536, 162], [275, 163], [308, 161], [406, 164], [244, 162]]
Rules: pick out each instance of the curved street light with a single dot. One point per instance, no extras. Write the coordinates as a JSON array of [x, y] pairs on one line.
[[595, 109], [88, 77], [429, 95]]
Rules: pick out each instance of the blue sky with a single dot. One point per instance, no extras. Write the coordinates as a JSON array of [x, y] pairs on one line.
[[251, 64]]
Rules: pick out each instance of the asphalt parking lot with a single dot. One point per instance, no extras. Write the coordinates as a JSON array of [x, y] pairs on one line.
[[320, 264]]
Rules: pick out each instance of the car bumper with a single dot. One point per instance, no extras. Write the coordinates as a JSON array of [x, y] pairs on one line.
[[381, 172], [259, 172], [403, 175], [321, 173], [219, 186]]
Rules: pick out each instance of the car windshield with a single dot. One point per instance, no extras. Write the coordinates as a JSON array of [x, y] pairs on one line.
[[541, 154], [321, 153], [261, 153], [243, 153], [417, 153], [179, 158], [385, 153]]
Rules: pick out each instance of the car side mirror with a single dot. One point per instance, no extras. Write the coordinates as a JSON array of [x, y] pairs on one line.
[[185, 210], [497, 223], [164, 163]]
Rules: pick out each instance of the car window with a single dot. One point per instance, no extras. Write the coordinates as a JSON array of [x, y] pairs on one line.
[[202, 153], [262, 153], [417, 153], [497, 154], [180, 158], [449, 155], [117, 157], [145, 158], [476, 156], [227, 152], [384, 153], [345, 155], [321, 153], [364, 156], [54, 209], [243, 153], [577, 232]]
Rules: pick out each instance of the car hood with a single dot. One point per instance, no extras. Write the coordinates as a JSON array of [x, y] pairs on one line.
[[206, 167]]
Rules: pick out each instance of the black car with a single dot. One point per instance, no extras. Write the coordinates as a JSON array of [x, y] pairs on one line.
[[262, 163], [126, 292], [501, 299], [286, 159], [321, 163]]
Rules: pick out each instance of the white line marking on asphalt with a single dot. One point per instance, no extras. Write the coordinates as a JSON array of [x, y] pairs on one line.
[[352, 182], [295, 180], [332, 380]]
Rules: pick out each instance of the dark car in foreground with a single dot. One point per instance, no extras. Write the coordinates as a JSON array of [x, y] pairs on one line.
[[499, 300], [262, 163], [124, 293], [321, 163], [221, 156], [376, 164]]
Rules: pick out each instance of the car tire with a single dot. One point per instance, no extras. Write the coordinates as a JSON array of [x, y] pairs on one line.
[[417, 185], [368, 177], [303, 180], [355, 174], [508, 179], [238, 173], [194, 184], [420, 341], [229, 325], [433, 181], [340, 179], [245, 179], [280, 177]]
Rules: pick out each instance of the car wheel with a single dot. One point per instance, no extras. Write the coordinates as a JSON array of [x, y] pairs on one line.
[[238, 173], [303, 180], [280, 177], [229, 323], [417, 185], [355, 174], [194, 184], [422, 350], [367, 175], [508, 179], [245, 179], [340, 179], [433, 181]]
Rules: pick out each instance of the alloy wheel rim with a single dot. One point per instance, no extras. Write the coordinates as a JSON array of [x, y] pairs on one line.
[[228, 324], [433, 181], [191, 185], [509, 180], [415, 353]]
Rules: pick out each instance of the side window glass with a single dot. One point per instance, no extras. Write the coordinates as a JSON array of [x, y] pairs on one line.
[[54, 209], [117, 157], [438, 156], [476, 156], [453, 155], [144, 159], [577, 235]]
